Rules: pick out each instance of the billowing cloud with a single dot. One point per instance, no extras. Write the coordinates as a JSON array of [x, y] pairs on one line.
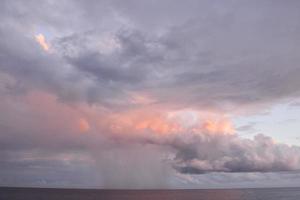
[[207, 153], [111, 62], [128, 98]]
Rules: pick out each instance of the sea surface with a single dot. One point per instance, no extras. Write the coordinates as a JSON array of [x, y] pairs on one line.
[[94, 194]]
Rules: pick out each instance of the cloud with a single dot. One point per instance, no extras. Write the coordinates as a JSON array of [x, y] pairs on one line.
[[141, 148], [204, 153], [40, 38], [83, 125], [155, 89], [160, 63]]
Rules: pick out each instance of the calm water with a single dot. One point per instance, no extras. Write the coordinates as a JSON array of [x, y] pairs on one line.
[[77, 194]]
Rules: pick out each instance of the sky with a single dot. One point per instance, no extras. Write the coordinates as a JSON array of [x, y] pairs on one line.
[[149, 94]]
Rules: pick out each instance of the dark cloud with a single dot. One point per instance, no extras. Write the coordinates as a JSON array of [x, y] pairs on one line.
[[208, 153], [201, 153], [227, 54], [208, 55]]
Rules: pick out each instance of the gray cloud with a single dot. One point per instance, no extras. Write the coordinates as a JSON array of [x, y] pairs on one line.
[[206, 153], [203, 55], [243, 57], [202, 152]]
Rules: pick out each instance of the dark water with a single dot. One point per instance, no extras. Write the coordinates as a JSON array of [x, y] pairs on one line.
[[77, 194]]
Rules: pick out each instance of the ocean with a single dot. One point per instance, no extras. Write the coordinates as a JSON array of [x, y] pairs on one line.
[[94, 194]]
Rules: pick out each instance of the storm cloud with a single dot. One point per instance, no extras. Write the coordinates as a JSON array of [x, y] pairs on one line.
[[142, 93], [216, 50], [206, 153]]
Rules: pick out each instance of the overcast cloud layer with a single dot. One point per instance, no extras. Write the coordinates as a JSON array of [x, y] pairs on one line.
[[141, 94]]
